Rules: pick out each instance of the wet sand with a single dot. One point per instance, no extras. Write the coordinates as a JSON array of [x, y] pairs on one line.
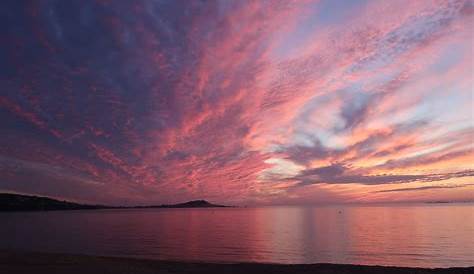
[[26, 262]]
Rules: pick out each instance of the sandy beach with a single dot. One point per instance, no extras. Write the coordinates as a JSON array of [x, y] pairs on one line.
[[26, 262]]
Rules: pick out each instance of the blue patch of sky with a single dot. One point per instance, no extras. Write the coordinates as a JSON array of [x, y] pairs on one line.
[[450, 57], [320, 15]]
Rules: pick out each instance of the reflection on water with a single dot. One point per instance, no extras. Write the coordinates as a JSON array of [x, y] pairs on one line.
[[423, 235]]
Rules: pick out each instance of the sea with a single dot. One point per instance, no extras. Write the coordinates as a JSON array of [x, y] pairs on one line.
[[414, 235]]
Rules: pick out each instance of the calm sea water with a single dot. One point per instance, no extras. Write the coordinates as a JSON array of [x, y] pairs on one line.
[[415, 235]]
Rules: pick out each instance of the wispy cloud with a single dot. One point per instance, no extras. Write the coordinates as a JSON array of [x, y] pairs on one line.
[[338, 174], [237, 100], [423, 188]]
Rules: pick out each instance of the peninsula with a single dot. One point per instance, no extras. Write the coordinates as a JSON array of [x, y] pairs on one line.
[[17, 202]]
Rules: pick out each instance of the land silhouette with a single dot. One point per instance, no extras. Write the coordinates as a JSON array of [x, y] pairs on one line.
[[17, 202]]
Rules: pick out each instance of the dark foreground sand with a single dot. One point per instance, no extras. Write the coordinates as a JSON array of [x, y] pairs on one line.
[[38, 263]]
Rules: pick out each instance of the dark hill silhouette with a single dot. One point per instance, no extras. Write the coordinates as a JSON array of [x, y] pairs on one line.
[[190, 204], [17, 202]]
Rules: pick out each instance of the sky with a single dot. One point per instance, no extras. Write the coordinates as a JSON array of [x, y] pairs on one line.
[[237, 102]]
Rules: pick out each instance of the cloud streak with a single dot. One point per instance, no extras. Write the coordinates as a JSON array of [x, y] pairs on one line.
[[337, 174], [423, 188]]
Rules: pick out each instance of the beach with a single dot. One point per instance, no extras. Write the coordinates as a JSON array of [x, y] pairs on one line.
[[42, 263]]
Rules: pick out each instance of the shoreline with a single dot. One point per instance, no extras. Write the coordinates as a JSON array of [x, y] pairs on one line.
[[19, 262]]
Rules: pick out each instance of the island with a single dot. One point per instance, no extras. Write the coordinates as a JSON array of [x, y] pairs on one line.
[[190, 204], [17, 202]]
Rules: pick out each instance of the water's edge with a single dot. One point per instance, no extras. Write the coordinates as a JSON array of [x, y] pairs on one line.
[[22, 262]]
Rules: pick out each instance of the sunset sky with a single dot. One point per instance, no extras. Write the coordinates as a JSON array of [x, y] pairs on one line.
[[237, 102]]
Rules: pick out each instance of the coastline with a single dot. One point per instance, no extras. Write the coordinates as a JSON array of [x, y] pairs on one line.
[[19, 262]]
